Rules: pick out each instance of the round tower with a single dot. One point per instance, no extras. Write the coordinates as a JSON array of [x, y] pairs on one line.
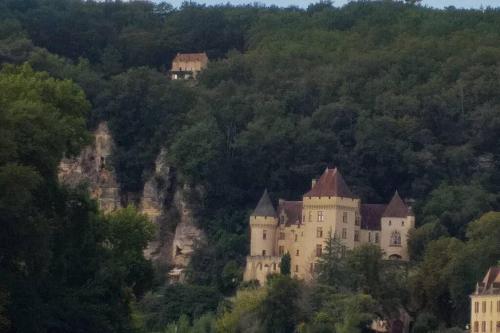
[[263, 223]]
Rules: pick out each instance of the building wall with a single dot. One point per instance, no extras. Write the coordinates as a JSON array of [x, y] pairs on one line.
[[260, 226], [391, 225], [196, 65], [485, 313]]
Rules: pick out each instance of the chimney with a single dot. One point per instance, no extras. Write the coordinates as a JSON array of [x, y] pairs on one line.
[[313, 182]]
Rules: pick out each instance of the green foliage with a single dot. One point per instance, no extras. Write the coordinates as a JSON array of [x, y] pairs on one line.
[[143, 105], [241, 314], [285, 264], [444, 292], [171, 302], [128, 234], [280, 311], [419, 238]]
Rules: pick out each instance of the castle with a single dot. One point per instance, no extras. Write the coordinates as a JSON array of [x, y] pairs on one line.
[[329, 208]]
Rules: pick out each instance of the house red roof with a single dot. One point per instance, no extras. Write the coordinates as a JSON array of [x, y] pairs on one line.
[[490, 283], [186, 57], [371, 215], [397, 207], [330, 184], [292, 210]]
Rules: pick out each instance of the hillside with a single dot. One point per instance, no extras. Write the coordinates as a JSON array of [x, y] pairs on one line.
[[396, 95]]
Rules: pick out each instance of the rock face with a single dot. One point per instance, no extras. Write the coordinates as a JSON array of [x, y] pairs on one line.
[[163, 200], [187, 234], [93, 167]]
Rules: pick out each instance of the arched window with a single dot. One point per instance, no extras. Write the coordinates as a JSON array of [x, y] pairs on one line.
[[395, 238]]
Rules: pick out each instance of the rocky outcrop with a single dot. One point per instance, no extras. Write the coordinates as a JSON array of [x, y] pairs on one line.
[[168, 204], [93, 167], [187, 234]]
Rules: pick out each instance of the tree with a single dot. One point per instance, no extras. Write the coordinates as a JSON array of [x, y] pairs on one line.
[[280, 310], [285, 264], [332, 265]]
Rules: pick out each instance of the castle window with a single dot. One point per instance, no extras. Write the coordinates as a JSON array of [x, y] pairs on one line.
[[377, 239], [319, 232], [356, 219], [476, 307], [395, 239], [296, 237], [483, 326], [297, 253], [356, 236], [369, 237], [274, 266], [498, 306], [344, 217], [484, 307], [264, 234], [281, 250], [263, 252], [498, 326], [296, 268], [282, 235], [320, 216], [344, 233], [319, 250], [390, 223]]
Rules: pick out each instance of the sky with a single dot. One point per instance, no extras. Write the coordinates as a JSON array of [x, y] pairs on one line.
[[305, 3]]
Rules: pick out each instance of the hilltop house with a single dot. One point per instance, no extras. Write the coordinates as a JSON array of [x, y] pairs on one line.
[[188, 65], [329, 208], [485, 303]]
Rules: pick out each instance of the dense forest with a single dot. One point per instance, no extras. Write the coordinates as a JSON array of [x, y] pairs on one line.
[[397, 95]]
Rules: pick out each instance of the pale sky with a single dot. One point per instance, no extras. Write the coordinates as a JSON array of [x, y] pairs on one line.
[[305, 3]]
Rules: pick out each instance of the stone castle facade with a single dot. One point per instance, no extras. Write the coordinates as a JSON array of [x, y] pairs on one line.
[[329, 208]]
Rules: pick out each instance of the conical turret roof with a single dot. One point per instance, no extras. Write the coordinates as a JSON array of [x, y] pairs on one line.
[[330, 184], [397, 207], [265, 206]]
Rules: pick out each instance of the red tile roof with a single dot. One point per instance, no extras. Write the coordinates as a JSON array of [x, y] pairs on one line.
[[371, 215], [397, 207], [292, 210], [330, 184], [186, 57], [490, 283]]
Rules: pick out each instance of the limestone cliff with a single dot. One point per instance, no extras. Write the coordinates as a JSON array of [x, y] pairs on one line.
[[93, 167], [163, 200]]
